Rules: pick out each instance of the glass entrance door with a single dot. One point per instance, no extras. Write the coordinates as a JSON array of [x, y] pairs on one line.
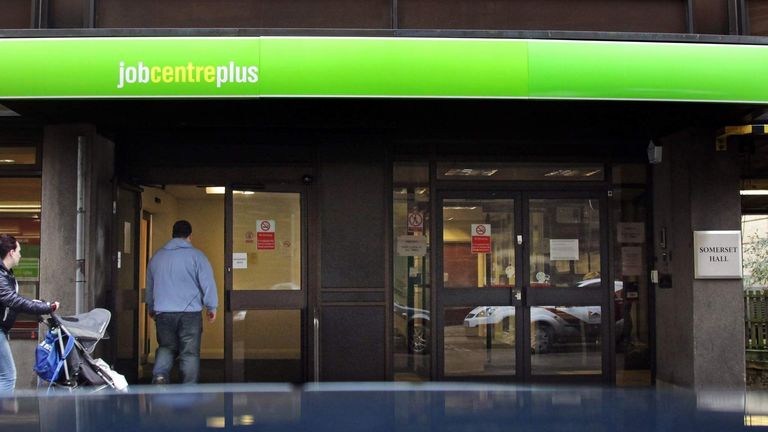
[[521, 295], [265, 285], [565, 294], [479, 300]]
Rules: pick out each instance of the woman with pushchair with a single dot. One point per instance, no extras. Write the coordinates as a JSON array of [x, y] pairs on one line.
[[10, 304]]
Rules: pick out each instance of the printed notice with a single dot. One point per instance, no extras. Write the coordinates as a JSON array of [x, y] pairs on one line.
[[408, 245], [240, 260], [563, 249], [631, 260], [630, 232]]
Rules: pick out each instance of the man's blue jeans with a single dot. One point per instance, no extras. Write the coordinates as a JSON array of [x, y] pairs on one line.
[[7, 367], [178, 334]]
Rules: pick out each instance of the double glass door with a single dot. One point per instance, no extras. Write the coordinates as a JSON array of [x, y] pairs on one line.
[[521, 292]]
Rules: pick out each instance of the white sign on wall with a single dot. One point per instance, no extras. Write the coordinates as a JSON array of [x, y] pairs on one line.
[[717, 254]]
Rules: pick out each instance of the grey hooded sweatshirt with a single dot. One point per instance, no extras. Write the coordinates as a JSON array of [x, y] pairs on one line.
[[180, 279]]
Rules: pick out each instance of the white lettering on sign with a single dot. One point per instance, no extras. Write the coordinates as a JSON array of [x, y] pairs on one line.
[[717, 254]]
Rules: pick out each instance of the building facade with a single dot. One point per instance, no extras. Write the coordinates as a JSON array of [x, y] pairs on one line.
[[392, 190]]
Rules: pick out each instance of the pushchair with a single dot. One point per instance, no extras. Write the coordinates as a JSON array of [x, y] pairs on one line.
[[74, 339]]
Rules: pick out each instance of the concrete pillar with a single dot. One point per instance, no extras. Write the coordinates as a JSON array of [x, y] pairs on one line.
[[699, 323], [354, 196], [58, 226]]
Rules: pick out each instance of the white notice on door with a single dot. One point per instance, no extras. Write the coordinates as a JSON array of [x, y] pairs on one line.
[[631, 261], [240, 260], [411, 245], [563, 249], [630, 232]]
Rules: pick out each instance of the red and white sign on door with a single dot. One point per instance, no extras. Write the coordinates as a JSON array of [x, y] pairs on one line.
[[415, 222], [481, 238], [265, 234]]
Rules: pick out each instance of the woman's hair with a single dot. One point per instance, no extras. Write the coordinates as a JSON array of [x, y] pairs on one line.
[[7, 244]]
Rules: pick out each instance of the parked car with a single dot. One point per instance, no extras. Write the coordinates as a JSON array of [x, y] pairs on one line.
[[555, 324]]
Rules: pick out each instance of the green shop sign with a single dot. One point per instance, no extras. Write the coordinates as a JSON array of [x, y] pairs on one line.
[[254, 67]]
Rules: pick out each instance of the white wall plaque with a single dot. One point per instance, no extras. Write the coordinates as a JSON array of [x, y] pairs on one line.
[[717, 254], [563, 249]]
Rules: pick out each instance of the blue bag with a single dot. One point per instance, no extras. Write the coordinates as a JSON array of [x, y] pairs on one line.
[[48, 359]]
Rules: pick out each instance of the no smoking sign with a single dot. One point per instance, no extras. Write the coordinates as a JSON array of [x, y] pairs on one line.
[[481, 238], [265, 234]]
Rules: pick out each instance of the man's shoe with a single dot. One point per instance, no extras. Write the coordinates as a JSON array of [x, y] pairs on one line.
[[159, 380]]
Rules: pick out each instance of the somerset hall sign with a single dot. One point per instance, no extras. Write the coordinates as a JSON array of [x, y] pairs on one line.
[[717, 254]]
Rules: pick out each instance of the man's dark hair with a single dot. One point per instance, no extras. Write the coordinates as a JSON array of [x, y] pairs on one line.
[[7, 244], [182, 229]]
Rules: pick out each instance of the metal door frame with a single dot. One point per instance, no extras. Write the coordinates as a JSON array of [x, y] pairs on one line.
[[267, 300], [522, 194]]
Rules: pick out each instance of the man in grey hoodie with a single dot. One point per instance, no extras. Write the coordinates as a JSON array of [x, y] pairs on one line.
[[179, 283]]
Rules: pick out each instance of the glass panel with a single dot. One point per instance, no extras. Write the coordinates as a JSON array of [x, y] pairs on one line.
[[479, 341], [478, 248], [20, 200], [267, 241], [565, 243], [10, 156], [411, 222], [266, 345], [565, 340], [519, 172], [631, 300]]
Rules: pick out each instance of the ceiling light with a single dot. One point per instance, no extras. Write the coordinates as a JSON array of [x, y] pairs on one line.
[[19, 208], [220, 190], [561, 173], [470, 172], [754, 192], [459, 208], [7, 161]]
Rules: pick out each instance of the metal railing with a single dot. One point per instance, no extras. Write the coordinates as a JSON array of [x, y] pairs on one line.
[[756, 320]]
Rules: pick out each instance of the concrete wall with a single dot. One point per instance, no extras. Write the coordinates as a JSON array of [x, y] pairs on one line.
[[699, 323]]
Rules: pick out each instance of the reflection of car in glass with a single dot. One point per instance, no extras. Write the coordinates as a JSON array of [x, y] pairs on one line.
[[552, 325], [417, 321]]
